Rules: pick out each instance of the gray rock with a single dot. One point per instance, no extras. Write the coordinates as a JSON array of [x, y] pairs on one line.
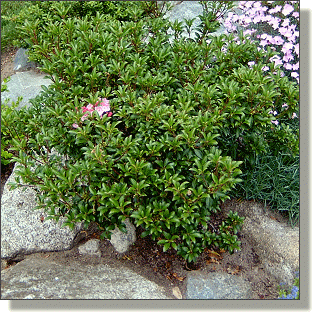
[[90, 247], [23, 231], [203, 285], [44, 279], [277, 244], [21, 61], [26, 84], [121, 241]]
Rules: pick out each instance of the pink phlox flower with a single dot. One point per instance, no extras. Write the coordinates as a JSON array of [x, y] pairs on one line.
[[288, 66], [288, 57], [250, 32], [276, 60], [251, 63], [283, 30], [294, 74], [265, 68], [272, 40], [246, 4], [294, 115], [275, 9], [295, 66], [296, 14], [287, 9], [274, 22], [296, 49], [235, 18], [287, 47], [285, 22], [247, 20], [75, 125], [278, 40], [263, 9], [276, 122], [257, 19], [285, 106], [264, 42]]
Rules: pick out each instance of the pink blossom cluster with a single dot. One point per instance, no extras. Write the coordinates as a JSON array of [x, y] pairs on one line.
[[102, 106], [288, 36]]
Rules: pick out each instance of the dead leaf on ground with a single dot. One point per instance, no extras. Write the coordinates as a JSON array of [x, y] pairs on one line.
[[177, 277], [177, 293]]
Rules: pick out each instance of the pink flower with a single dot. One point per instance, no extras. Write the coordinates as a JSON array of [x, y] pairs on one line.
[[263, 42], [265, 68], [287, 9], [250, 32], [251, 63], [88, 108], [257, 19], [288, 57], [276, 122], [84, 117], [274, 22], [288, 66], [295, 66], [287, 47], [296, 14], [278, 40], [294, 74], [294, 115], [276, 9], [276, 60], [285, 22], [273, 112], [103, 108], [75, 125]]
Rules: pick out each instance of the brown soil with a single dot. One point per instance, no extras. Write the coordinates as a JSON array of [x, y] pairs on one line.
[[165, 268], [7, 58]]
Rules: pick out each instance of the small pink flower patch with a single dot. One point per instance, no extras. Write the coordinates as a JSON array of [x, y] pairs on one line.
[[102, 106]]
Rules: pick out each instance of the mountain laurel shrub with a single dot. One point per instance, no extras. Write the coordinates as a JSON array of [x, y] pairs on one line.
[[184, 115]]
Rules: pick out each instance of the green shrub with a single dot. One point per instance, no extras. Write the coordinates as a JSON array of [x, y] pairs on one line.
[[167, 150], [9, 12], [41, 14], [6, 131]]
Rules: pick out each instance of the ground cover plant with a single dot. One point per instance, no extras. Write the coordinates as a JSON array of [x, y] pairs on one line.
[[138, 127], [290, 293]]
